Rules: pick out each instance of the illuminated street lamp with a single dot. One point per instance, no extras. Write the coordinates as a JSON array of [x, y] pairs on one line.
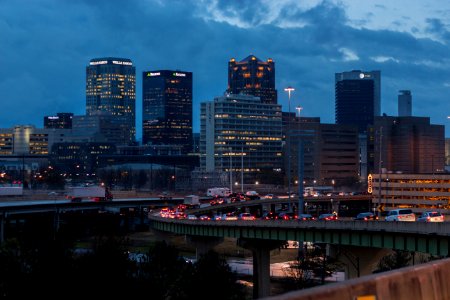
[[299, 109]]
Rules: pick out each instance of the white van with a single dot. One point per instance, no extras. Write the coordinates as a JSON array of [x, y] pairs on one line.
[[401, 214]]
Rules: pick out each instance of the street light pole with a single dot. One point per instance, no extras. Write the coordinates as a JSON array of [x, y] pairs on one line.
[[242, 169], [231, 174], [288, 138], [379, 171]]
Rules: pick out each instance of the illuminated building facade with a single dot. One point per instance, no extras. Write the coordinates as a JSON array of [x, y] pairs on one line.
[[419, 192], [239, 133], [29, 140], [111, 88], [6, 142], [252, 76], [357, 98], [61, 121], [167, 108]]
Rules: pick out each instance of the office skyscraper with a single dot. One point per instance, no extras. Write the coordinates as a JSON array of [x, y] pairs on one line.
[[240, 131], [357, 98], [111, 89], [167, 108], [405, 104], [252, 76]]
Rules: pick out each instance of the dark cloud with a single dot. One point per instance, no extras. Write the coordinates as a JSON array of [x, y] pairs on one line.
[[46, 46], [436, 26]]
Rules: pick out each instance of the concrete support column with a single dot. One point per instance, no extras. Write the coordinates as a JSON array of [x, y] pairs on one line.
[[261, 264], [203, 244], [261, 273]]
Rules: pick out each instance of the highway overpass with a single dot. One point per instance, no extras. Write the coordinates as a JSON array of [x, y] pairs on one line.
[[261, 236]]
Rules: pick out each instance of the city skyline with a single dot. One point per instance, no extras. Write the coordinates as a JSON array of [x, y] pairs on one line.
[[47, 46]]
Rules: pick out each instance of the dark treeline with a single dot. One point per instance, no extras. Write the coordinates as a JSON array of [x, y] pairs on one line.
[[37, 262]]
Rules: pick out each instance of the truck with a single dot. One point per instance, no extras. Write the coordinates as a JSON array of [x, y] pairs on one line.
[[218, 192], [11, 190], [96, 193], [192, 200]]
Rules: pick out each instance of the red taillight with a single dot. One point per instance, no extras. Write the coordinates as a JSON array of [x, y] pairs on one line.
[[365, 219], [428, 218]]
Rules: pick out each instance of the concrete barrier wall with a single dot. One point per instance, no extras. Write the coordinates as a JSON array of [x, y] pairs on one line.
[[430, 281]]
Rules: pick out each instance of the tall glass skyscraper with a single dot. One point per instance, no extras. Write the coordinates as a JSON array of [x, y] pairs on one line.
[[111, 90], [252, 76], [357, 98], [167, 108]]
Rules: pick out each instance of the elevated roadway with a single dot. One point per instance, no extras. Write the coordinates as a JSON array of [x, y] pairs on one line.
[[432, 238], [333, 200], [261, 236]]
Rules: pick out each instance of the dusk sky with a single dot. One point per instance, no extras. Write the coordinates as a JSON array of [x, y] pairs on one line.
[[46, 45]]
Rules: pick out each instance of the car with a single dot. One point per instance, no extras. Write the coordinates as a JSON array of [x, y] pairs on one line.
[[401, 215], [246, 216], [328, 217], [431, 216], [204, 218], [269, 196], [252, 195], [306, 217], [165, 196], [236, 197], [191, 217], [229, 217], [269, 215], [217, 217], [365, 216], [287, 216]]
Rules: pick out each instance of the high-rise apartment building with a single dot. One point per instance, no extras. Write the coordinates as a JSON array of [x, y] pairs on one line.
[[60, 121], [252, 76], [111, 89], [357, 98], [167, 108]]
